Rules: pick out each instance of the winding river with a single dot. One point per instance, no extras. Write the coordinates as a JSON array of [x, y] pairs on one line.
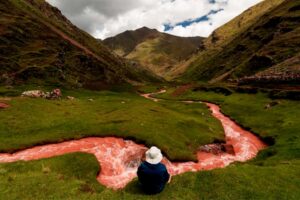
[[120, 158]]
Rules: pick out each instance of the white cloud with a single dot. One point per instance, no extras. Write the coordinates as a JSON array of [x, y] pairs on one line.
[[105, 18]]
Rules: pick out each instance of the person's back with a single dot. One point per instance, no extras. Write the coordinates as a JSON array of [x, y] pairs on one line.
[[152, 174]]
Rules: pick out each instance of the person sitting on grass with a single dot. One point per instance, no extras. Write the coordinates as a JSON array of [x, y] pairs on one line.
[[152, 174]]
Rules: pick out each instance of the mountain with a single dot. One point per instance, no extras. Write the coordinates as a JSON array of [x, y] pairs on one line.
[[157, 51], [39, 45], [218, 40], [257, 43]]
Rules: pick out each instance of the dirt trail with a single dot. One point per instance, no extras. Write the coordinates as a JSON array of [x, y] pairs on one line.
[[182, 89], [120, 158], [73, 42], [68, 38]]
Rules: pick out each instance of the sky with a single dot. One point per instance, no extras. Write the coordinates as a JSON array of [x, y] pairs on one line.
[[107, 18]]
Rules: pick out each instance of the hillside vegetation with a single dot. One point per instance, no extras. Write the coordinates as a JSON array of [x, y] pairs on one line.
[[38, 44], [159, 52], [264, 36]]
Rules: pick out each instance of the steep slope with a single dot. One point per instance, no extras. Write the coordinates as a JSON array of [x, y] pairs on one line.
[[287, 71], [222, 36], [268, 38], [159, 52], [38, 44], [226, 33], [124, 43]]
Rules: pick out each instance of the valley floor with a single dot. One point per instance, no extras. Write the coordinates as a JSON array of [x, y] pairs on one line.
[[172, 126]]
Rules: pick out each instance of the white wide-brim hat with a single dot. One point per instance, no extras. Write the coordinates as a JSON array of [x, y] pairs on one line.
[[153, 155]]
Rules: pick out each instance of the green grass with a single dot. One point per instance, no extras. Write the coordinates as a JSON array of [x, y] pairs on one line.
[[177, 128], [273, 174], [279, 122], [73, 176], [66, 177]]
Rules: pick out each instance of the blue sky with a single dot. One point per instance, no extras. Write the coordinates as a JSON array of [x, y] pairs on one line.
[[189, 22], [106, 18]]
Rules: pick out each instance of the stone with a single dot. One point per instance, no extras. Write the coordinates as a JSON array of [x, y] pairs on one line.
[[272, 104], [211, 148], [70, 98], [55, 94], [34, 94], [228, 148]]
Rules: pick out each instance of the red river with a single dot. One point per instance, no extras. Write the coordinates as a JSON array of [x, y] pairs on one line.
[[3, 105], [119, 158]]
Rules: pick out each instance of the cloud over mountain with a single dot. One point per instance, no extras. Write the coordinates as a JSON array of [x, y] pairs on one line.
[[104, 18]]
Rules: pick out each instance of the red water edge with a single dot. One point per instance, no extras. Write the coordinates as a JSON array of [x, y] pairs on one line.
[[119, 159], [3, 105]]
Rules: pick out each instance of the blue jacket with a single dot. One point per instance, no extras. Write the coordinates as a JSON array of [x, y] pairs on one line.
[[153, 177]]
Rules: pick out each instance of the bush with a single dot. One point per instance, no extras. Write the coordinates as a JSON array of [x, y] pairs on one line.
[[292, 95]]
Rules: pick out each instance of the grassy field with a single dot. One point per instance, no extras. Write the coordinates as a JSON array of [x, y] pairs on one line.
[[274, 174], [178, 129]]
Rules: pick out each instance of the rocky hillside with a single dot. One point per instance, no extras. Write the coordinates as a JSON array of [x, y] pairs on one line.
[[285, 72], [39, 45], [157, 51], [263, 39]]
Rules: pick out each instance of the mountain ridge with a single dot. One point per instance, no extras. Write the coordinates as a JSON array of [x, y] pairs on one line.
[[158, 51], [64, 55], [268, 40]]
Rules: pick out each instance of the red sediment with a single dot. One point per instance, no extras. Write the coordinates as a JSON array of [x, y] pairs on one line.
[[182, 89], [245, 145], [150, 95], [3, 105], [119, 159]]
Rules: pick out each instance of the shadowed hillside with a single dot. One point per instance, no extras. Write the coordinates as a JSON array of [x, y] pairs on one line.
[[159, 52], [287, 71], [39, 45], [267, 35]]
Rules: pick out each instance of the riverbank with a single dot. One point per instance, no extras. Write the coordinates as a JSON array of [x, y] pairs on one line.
[[174, 127], [273, 174], [119, 158]]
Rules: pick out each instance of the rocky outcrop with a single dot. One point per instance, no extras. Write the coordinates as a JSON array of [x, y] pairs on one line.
[[55, 94]]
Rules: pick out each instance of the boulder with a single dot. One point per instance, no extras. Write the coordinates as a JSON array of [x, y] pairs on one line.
[[55, 94], [34, 94], [228, 148], [212, 148], [217, 149]]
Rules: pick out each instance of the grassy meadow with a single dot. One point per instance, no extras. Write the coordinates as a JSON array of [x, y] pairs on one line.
[[177, 128], [274, 174]]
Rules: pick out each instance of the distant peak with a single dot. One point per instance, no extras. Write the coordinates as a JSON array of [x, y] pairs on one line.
[[144, 28]]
